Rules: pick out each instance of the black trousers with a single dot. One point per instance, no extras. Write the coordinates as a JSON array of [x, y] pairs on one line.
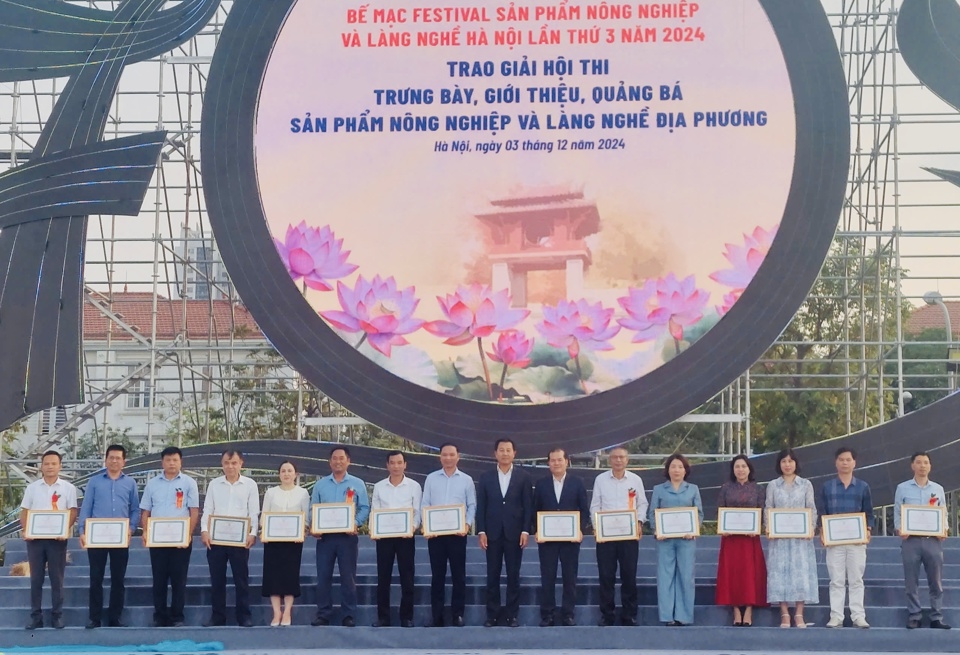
[[502, 550], [239, 558], [403, 550], [567, 555], [453, 549], [169, 565], [46, 556], [118, 571], [610, 555]]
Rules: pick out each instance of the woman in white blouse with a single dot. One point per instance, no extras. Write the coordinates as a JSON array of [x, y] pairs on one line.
[[281, 559]]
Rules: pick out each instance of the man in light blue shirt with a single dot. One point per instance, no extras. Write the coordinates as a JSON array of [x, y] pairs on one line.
[[109, 495], [449, 486], [916, 550], [340, 548]]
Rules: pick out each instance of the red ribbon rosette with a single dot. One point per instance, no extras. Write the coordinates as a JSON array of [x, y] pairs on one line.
[[53, 500], [632, 498]]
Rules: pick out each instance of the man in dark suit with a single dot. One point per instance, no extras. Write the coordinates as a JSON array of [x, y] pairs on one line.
[[504, 513], [559, 492]]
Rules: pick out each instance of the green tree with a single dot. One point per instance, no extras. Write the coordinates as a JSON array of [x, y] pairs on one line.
[[94, 444]]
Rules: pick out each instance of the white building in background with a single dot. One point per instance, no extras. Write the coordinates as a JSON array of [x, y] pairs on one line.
[[192, 348], [199, 271]]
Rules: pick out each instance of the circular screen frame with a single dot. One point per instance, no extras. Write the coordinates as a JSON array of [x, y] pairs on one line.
[[727, 350]]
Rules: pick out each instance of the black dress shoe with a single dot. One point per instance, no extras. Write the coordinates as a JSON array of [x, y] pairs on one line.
[[569, 622], [348, 622], [211, 623], [158, 624], [117, 624], [92, 625], [512, 623], [604, 622], [406, 623], [913, 624], [546, 623], [939, 625], [35, 624], [317, 622], [629, 620], [436, 623], [57, 622], [246, 623], [457, 621], [381, 624], [176, 624], [489, 623]]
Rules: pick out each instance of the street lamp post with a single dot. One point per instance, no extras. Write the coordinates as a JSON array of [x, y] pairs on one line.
[[936, 298]]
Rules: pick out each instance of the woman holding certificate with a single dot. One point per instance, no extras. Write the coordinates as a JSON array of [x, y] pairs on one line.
[[791, 562], [741, 570], [281, 559], [675, 532]]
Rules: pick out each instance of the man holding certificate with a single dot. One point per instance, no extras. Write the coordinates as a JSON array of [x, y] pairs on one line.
[[504, 515], [47, 555], [618, 488], [340, 548], [846, 494], [109, 495], [172, 494], [230, 495], [396, 492], [916, 549], [449, 487], [559, 492]]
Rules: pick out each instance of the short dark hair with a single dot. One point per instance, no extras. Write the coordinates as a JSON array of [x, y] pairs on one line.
[[394, 453], [346, 451], [230, 452], [452, 445], [676, 457], [782, 455], [845, 449], [51, 452], [170, 451], [116, 446], [496, 444], [287, 461], [559, 450], [746, 459], [919, 453]]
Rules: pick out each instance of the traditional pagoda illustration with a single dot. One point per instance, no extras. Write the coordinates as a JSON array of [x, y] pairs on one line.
[[540, 229]]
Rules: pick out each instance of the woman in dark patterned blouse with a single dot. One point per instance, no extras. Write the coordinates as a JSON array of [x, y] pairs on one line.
[[741, 571]]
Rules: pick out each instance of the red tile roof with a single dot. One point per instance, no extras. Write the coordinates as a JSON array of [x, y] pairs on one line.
[[204, 318], [930, 317]]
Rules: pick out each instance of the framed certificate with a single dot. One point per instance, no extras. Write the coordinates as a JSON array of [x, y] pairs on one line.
[[282, 526], [331, 518], [107, 533], [47, 524], [676, 522], [738, 520], [168, 532], [388, 523], [923, 520], [229, 530], [440, 520], [790, 523], [615, 525], [844, 529], [558, 526]]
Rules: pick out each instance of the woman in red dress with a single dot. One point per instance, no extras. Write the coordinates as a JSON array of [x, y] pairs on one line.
[[741, 571]]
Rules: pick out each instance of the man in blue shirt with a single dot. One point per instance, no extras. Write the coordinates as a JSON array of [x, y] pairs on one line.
[[846, 494], [109, 495], [916, 550], [169, 495], [339, 548]]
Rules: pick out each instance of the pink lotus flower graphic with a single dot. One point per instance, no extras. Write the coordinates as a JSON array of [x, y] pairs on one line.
[[475, 311], [578, 325], [512, 348], [314, 254], [745, 260], [667, 304], [378, 309]]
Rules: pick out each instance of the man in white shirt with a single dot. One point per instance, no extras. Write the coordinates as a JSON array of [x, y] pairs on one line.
[[230, 495], [396, 492], [618, 488], [47, 555]]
